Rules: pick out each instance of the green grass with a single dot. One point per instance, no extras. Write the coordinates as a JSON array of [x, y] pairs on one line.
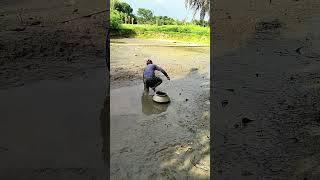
[[183, 33]]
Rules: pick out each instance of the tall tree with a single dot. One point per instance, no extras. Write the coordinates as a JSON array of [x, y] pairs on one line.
[[112, 3], [123, 7], [202, 6], [145, 14]]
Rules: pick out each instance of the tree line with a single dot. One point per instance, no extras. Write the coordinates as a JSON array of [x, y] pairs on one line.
[[122, 12]]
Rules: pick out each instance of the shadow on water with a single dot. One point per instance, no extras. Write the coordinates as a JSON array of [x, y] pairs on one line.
[[150, 107]]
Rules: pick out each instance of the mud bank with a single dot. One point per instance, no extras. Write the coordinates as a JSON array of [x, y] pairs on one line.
[[129, 57], [52, 86], [267, 130], [35, 45], [235, 22]]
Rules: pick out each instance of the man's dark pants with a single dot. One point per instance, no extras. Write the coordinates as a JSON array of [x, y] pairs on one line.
[[152, 82]]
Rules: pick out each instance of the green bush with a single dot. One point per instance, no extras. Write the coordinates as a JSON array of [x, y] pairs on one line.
[[115, 20]]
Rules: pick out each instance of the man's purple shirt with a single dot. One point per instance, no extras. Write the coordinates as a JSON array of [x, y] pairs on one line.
[[149, 70]]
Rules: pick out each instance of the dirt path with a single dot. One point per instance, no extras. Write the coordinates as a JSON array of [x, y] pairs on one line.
[[157, 141], [266, 92]]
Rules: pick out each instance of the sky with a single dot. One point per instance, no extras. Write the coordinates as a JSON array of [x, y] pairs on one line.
[[172, 8]]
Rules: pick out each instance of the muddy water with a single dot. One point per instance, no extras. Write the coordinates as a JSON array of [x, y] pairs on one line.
[[155, 141]]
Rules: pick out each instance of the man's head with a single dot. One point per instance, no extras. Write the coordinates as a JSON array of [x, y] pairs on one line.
[[149, 61]]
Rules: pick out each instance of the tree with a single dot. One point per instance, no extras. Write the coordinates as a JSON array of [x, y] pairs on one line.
[[200, 23], [202, 6], [123, 7], [123, 11], [145, 14], [112, 3], [165, 20], [115, 20]]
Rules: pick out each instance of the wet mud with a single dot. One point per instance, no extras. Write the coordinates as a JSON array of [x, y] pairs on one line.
[[53, 82], [265, 97], [52, 130], [36, 46], [151, 140], [129, 57]]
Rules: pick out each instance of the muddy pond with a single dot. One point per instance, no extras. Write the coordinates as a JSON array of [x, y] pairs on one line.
[[151, 140]]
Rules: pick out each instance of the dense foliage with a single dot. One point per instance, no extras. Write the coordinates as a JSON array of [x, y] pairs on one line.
[[145, 24], [115, 20], [145, 16], [123, 7], [122, 13]]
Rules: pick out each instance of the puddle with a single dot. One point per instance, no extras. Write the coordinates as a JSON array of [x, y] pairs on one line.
[[150, 107], [132, 100]]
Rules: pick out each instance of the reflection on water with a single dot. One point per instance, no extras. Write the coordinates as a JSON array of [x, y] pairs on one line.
[[150, 107]]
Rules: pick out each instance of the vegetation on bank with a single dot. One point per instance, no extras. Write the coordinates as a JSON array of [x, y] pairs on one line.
[[123, 23], [185, 33]]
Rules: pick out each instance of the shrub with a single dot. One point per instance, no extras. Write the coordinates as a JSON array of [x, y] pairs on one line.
[[115, 20]]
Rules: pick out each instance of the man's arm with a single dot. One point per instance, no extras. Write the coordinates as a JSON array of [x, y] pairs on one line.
[[163, 71]]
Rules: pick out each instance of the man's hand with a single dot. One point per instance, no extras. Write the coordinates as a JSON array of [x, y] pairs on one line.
[[168, 78]]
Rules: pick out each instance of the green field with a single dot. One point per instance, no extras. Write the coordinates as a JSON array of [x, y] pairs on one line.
[[183, 33]]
